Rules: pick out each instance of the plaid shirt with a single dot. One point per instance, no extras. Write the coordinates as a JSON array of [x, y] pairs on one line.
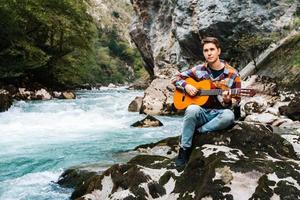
[[227, 80]]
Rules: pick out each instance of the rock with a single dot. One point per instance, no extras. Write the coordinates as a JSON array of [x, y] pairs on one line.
[[11, 89], [168, 33], [247, 160], [85, 86], [291, 125], [294, 140], [292, 110], [281, 121], [275, 108], [68, 95], [265, 118], [135, 105], [41, 94], [111, 85], [23, 94], [148, 121], [158, 100], [74, 177], [262, 85], [166, 148], [5, 100], [140, 84], [268, 63], [57, 95]]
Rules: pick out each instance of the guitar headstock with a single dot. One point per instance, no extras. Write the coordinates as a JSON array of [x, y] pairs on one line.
[[247, 92]]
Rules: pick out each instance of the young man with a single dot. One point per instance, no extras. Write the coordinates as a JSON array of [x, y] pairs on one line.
[[216, 114]]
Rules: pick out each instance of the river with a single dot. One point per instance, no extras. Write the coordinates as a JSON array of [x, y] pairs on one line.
[[39, 139]]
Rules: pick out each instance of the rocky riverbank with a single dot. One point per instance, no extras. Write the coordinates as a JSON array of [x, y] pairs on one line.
[[246, 161], [8, 93]]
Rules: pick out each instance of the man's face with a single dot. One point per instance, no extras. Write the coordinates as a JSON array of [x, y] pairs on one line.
[[211, 52]]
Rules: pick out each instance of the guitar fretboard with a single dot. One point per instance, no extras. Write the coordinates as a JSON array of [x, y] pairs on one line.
[[217, 92]]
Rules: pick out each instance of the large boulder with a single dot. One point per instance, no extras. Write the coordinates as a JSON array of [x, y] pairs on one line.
[[247, 161], [5, 100], [292, 110], [135, 105], [158, 100]]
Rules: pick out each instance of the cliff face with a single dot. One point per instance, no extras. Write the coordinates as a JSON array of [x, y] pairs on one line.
[[168, 33], [109, 15]]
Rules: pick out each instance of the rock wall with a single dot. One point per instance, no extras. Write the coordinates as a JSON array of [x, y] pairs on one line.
[[168, 33]]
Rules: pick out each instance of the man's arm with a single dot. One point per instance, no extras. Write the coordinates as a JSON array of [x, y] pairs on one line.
[[229, 100], [179, 81]]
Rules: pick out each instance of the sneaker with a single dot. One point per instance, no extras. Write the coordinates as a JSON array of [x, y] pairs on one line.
[[182, 158]]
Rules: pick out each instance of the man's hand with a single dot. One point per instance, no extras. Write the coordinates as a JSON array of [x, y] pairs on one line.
[[226, 96], [191, 90]]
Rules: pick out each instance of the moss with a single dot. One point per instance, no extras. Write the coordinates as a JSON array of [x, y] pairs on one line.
[[284, 64]]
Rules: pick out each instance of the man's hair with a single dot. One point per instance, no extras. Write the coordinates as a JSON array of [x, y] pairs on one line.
[[210, 40]]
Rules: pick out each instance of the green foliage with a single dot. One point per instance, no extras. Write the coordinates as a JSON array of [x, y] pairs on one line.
[[251, 45], [60, 39]]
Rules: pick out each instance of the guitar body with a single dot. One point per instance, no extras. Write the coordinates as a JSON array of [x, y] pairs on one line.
[[183, 100]]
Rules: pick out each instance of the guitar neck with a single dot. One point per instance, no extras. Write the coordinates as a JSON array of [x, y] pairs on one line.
[[213, 92]]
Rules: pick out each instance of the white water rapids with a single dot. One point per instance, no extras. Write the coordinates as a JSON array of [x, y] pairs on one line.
[[39, 139]]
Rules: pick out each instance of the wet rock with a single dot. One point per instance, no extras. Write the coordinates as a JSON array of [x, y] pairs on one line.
[[86, 86], [247, 160], [74, 177], [111, 85], [24, 94], [41, 94], [5, 100], [148, 121], [57, 95], [135, 105], [68, 95], [292, 110]]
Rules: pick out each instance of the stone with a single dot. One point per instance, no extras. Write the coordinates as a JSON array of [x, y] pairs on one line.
[[111, 85], [265, 118], [158, 100], [68, 95], [292, 110], [42, 94], [148, 121], [5, 100], [135, 105], [246, 160], [57, 95]]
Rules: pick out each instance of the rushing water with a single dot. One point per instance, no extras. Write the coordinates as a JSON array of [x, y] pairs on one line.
[[39, 139]]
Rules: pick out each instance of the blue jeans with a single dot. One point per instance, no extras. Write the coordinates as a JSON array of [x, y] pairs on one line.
[[204, 120]]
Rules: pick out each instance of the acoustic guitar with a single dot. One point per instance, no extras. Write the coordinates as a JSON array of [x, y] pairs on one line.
[[205, 89]]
